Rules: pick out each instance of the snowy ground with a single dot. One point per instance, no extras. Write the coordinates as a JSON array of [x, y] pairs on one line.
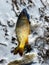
[[37, 10]]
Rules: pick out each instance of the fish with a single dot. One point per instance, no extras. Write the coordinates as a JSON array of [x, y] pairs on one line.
[[26, 60], [22, 31]]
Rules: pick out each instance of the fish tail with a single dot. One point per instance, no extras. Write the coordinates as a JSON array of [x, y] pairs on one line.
[[16, 50], [19, 49]]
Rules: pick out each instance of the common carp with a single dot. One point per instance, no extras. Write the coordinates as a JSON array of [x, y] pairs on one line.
[[22, 32]]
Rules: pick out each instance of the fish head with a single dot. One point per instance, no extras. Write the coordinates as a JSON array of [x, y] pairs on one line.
[[24, 14]]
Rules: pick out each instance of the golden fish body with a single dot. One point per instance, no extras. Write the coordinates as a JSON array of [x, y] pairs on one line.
[[22, 32]]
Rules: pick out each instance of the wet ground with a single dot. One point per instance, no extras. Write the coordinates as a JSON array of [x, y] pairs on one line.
[[38, 11]]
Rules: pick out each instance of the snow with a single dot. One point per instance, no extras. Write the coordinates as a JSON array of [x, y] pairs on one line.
[[7, 14]]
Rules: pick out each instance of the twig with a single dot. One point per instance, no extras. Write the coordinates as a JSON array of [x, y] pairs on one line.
[[43, 3], [3, 44]]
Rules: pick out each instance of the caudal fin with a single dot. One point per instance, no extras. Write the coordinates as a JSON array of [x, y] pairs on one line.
[[18, 50]]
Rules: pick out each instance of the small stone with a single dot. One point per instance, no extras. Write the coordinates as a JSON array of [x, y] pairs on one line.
[[47, 29], [47, 53], [46, 18], [10, 23], [13, 38]]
